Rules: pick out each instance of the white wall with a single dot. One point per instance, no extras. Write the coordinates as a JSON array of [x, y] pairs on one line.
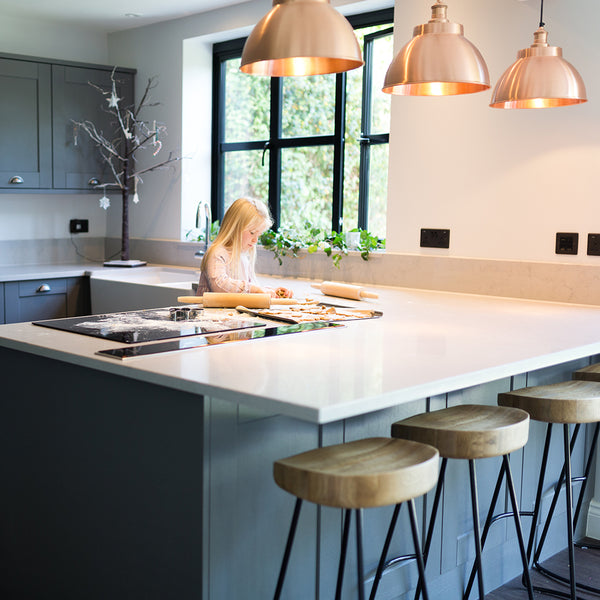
[[504, 182]]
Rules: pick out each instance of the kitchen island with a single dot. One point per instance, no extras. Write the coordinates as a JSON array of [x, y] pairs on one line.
[[151, 477]]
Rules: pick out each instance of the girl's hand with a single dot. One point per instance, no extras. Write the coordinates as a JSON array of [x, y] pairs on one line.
[[282, 292]]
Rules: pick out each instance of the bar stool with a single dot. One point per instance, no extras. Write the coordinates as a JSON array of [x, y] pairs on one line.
[[470, 432], [352, 476], [566, 403]]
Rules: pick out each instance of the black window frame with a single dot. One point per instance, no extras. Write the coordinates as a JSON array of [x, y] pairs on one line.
[[225, 51]]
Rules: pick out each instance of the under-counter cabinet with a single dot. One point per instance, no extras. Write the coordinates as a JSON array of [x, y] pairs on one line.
[[41, 299], [40, 147]]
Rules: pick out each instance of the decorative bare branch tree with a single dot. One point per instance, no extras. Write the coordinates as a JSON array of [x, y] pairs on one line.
[[131, 134]]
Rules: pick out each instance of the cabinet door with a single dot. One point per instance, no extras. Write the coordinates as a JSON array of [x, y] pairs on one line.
[[25, 123], [77, 161], [36, 300]]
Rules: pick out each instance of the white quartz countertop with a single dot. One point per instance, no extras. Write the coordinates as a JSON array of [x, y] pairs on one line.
[[426, 343]]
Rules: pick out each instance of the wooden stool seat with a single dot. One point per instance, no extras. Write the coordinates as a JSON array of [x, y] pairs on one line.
[[467, 431], [565, 402], [591, 373], [361, 474]]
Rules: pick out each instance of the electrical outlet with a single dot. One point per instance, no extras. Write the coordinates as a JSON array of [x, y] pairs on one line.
[[435, 238], [593, 247], [79, 226], [566, 243]]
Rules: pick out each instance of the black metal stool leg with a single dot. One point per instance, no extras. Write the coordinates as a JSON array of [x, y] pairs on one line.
[[417, 545], [540, 489], [434, 509], [586, 474], [384, 551], [359, 555], [569, 501], [344, 548], [555, 497], [486, 527], [288, 548], [517, 518], [476, 532]]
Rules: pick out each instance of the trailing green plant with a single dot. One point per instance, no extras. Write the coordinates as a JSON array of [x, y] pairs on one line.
[[313, 238]]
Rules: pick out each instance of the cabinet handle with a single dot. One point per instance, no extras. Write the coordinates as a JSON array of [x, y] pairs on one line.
[[44, 288], [93, 181], [16, 180]]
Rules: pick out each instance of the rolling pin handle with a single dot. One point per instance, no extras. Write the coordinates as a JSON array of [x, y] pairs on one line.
[[316, 285], [365, 294]]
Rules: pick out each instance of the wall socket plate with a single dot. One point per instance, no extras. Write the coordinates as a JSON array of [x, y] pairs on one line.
[[566, 243], [435, 238], [593, 244], [79, 226]]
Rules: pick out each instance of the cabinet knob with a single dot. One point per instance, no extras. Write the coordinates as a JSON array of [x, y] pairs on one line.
[[16, 180], [44, 288], [93, 181]]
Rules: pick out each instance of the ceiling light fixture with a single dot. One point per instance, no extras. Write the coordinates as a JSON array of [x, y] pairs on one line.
[[301, 37], [540, 77], [438, 61]]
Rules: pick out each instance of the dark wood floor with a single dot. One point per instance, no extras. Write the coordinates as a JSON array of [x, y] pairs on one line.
[[587, 571]]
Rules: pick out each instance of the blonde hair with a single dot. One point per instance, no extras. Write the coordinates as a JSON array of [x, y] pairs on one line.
[[243, 214]]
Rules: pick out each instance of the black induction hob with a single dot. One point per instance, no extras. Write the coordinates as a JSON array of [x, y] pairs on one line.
[[151, 325]]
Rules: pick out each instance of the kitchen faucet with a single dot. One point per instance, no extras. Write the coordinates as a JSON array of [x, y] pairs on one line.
[[207, 224]]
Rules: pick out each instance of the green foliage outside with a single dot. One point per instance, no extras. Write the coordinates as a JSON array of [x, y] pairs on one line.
[[308, 110]]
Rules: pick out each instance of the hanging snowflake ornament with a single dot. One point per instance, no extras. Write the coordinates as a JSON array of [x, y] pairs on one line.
[[104, 202]]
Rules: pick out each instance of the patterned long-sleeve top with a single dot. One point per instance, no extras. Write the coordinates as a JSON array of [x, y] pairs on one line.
[[217, 276]]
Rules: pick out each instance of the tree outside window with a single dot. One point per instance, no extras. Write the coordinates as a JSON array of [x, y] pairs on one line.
[[315, 148]]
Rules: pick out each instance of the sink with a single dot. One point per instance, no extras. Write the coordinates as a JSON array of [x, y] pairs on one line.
[[169, 276], [118, 290]]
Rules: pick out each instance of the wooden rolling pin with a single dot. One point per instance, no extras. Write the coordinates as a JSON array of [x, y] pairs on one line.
[[344, 290], [223, 300]]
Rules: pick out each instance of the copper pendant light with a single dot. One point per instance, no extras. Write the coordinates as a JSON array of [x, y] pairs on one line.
[[438, 61], [540, 77], [301, 37]]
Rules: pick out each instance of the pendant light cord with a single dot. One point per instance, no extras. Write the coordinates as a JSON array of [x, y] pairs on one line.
[[542, 24]]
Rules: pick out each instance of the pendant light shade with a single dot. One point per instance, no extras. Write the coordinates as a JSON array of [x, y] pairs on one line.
[[301, 37], [540, 78], [438, 61]]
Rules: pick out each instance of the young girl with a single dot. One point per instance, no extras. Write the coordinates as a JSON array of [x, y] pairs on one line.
[[228, 265]]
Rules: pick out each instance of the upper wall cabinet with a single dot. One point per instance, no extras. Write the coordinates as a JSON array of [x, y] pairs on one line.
[[40, 146], [77, 163], [25, 125]]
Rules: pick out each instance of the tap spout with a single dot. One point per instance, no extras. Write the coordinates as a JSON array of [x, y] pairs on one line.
[[203, 210]]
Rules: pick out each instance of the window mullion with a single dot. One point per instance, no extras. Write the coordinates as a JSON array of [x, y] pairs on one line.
[[338, 152], [275, 129]]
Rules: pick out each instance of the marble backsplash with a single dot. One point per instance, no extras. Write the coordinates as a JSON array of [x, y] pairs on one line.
[[560, 282]]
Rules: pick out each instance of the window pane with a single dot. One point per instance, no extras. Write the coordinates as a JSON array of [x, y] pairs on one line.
[[382, 56], [378, 189], [245, 176], [308, 105], [247, 104], [306, 187]]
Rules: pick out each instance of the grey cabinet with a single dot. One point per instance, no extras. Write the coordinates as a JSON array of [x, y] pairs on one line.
[[1, 303], [25, 123], [40, 147], [76, 160], [41, 299]]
